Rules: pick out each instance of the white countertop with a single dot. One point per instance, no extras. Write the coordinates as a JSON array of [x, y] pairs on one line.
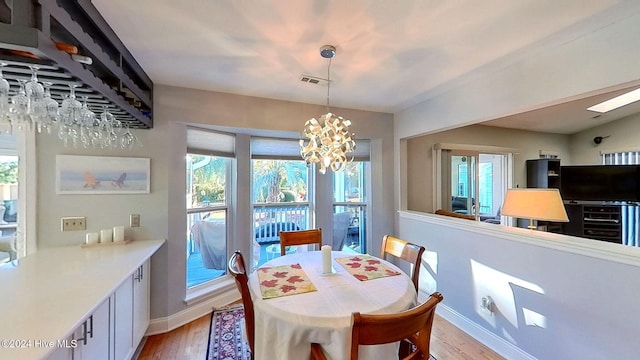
[[47, 295]]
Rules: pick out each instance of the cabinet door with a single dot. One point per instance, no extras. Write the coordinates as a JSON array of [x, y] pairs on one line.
[[63, 351], [141, 302], [123, 320], [93, 335]]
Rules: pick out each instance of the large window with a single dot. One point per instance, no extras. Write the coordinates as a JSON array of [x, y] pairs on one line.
[[350, 207], [208, 169], [350, 197], [12, 243], [280, 193]]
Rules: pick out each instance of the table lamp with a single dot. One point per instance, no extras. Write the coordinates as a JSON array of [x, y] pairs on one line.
[[534, 204]]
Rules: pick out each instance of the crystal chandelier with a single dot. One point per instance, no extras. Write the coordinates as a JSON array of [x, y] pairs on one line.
[[328, 141]]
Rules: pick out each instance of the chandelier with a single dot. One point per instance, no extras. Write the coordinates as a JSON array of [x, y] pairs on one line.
[[32, 108], [328, 141]]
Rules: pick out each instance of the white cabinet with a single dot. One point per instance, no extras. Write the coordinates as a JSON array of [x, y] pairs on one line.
[[92, 337], [123, 320], [116, 327], [141, 308]]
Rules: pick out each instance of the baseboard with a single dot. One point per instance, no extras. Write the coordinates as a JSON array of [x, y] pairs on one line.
[[163, 325], [489, 339]]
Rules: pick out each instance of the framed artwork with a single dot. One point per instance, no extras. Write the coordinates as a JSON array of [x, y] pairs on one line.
[[77, 174]]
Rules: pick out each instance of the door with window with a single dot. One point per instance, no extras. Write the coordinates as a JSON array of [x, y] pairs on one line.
[[473, 182]]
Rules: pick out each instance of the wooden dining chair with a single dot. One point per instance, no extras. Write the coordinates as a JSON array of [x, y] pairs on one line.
[[301, 237], [412, 327], [406, 251], [238, 271]]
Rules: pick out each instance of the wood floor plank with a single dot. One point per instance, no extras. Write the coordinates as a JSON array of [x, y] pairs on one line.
[[190, 342]]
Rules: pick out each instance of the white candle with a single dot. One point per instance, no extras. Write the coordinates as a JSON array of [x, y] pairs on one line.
[[92, 238], [106, 236], [118, 233], [326, 259]]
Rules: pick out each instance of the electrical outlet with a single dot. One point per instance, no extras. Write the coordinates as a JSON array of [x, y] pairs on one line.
[[73, 223], [134, 220], [487, 305]]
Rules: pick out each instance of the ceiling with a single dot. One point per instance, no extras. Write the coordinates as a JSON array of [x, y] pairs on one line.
[[390, 55]]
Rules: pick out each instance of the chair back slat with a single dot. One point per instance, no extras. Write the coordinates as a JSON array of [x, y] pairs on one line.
[[302, 237], [412, 325], [406, 251]]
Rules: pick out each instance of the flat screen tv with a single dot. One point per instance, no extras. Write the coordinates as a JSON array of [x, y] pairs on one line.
[[600, 182]]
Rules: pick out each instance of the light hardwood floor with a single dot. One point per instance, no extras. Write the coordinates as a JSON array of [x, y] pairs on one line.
[[190, 342]]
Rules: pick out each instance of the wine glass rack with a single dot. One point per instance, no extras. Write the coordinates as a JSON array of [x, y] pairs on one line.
[[72, 44]]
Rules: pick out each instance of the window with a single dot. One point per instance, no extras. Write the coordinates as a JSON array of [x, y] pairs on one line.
[[630, 214], [280, 193], [208, 169], [350, 197], [12, 243]]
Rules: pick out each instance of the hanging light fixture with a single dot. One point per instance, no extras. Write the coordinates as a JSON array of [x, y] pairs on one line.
[[328, 141]]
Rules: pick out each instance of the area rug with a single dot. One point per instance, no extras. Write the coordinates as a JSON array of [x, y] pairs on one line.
[[225, 335]]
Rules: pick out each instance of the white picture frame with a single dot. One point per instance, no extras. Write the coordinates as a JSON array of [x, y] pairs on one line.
[[77, 174]]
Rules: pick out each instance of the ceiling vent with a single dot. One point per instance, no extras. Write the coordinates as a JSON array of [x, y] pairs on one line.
[[313, 80]]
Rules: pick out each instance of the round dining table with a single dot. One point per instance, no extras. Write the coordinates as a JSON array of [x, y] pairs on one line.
[[285, 326]]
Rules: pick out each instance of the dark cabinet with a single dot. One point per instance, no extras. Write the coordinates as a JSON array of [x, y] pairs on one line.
[[543, 173], [598, 222]]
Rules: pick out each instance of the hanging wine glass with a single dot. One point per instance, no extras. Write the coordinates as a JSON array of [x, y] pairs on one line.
[[95, 135], [35, 93], [19, 108], [51, 107], [86, 123], [71, 109], [127, 140], [4, 98]]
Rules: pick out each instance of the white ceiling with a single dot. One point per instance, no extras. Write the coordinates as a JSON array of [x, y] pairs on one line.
[[390, 54]]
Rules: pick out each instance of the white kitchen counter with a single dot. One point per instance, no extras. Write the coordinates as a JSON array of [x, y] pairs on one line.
[[47, 295]]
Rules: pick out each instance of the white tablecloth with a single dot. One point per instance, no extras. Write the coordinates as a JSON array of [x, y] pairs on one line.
[[287, 325]]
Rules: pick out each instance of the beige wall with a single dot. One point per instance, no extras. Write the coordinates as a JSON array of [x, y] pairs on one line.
[[624, 135]]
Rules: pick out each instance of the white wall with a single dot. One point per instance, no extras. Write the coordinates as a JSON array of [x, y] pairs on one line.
[[585, 292]]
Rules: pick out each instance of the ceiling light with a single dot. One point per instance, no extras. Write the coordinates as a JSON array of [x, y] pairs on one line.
[[329, 142], [616, 102]]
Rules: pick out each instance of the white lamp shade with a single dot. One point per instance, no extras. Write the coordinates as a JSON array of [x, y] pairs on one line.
[[537, 204]]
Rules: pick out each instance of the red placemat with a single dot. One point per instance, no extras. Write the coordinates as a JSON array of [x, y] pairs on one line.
[[366, 267], [276, 281]]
